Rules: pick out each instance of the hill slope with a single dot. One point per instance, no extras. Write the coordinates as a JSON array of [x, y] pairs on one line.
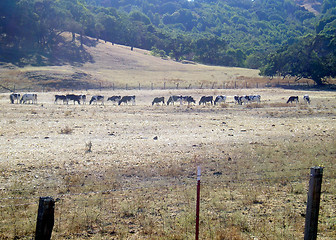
[[117, 65]]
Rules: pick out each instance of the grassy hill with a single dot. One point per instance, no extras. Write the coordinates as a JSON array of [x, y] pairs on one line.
[[110, 65]]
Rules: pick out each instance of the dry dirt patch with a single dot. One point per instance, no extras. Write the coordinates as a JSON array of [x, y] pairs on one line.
[[137, 180]]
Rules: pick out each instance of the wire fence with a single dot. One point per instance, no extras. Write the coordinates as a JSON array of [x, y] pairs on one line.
[[239, 187], [110, 86]]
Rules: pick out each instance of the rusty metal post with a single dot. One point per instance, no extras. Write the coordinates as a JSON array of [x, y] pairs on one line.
[[198, 201]]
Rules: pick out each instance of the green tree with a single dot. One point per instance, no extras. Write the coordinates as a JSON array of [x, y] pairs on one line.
[[312, 57]]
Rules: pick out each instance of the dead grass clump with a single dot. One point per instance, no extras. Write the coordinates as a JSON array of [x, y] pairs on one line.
[[66, 130], [254, 105], [279, 105], [224, 105], [88, 147], [229, 233]]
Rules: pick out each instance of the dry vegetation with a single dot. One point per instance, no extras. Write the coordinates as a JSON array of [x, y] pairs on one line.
[[128, 172], [116, 66]]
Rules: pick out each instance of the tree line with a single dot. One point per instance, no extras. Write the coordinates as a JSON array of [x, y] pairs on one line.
[[240, 33]]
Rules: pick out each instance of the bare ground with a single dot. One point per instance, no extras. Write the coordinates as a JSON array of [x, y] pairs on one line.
[[136, 180]]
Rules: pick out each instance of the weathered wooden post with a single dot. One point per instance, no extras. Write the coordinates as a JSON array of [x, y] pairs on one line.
[[177, 85], [152, 86], [313, 203], [139, 86], [45, 218], [164, 85]]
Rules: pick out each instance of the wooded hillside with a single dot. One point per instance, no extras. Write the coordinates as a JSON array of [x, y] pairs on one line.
[[230, 33]]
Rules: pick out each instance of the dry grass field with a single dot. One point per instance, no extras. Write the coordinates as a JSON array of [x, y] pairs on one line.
[[129, 172]]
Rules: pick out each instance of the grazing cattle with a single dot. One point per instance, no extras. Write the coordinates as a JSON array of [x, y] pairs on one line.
[[236, 98], [82, 98], [114, 99], [189, 99], [293, 99], [206, 99], [306, 99], [158, 100], [96, 99], [61, 98], [14, 96], [126, 99], [173, 99], [243, 99], [254, 98], [29, 97], [74, 98], [220, 99]]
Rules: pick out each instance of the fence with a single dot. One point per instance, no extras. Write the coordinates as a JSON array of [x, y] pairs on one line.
[[163, 86], [97, 206]]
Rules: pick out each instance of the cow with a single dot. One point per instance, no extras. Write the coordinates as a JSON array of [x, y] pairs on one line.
[[96, 99], [243, 99], [82, 98], [114, 99], [74, 98], [158, 100], [306, 99], [61, 98], [189, 99], [293, 99], [206, 99], [29, 97], [236, 98], [254, 98], [173, 99], [126, 99], [13, 97], [220, 99]]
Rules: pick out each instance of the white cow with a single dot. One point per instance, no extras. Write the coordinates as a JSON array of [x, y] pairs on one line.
[[220, 99], [306, 99], [29, 97]]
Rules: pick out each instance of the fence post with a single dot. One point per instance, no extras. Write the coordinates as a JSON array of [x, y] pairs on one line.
[[198, 201], [45, 218], [164, 85], [177, 85], [313, 203], [139, 86], [152, 86]]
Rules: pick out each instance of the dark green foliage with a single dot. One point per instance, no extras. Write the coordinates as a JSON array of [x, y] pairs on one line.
[[231, 32], [312, 57]]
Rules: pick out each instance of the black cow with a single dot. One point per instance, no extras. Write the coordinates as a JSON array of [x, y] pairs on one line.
[[61, 98], [236, 98], [97, 98], [189, 99], [173, 99], [74, 98], [114, 99], [14, 96], [158, 100], [126, 99], [206, 99], [293, 99]]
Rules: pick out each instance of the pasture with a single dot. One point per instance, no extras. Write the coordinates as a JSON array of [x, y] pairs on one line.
[[129, 171]]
